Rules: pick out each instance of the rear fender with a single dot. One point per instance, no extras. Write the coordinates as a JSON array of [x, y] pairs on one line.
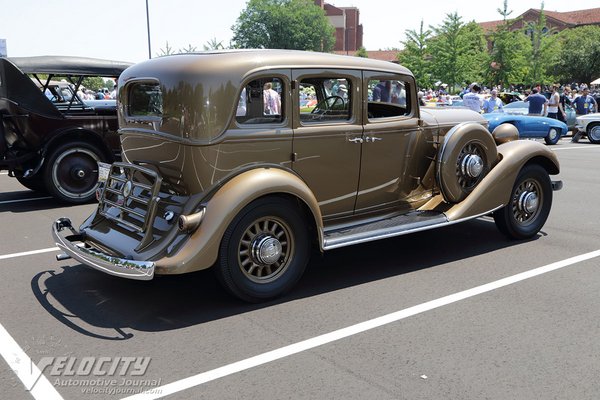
[[202, 249]]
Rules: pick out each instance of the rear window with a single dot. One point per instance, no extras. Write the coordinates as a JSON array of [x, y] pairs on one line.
[[145, 100]]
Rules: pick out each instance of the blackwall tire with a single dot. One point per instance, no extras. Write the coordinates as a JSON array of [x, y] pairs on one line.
[[71, 172], [264, 251], [35, 183], [529, 204], [593, 133], [553, 136]]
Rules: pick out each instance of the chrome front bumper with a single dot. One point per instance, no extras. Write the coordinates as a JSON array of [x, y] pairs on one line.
[[66, 236]]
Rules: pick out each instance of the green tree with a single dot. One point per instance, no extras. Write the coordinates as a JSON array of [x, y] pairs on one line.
[[362, 52], [457, 51], [415, 55], [283, 24], [508, 60], [188, 49], [213, 44], [93, 83], [543, 50], [471, 38], [579, 55], [168, 50]]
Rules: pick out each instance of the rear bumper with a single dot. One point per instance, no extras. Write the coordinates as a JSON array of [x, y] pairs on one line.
[[66, 238], [557, 185]]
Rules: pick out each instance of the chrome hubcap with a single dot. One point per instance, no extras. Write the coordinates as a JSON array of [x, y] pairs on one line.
[[266, 249], [75, 173], [526, 201], [472, 165], [595, 132]]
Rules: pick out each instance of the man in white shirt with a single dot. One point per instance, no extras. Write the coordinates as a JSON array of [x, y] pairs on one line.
[[473, 99]]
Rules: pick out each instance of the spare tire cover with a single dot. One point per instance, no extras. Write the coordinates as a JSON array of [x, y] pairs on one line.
[[468, 140]]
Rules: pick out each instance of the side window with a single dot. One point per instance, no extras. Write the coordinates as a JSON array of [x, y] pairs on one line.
[[325, 99], [261, 101], [145, 100], [388, 98]]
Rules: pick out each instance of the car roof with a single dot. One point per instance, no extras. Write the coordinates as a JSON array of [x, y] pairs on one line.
[[517, 104], [242, 61], [69, 65]]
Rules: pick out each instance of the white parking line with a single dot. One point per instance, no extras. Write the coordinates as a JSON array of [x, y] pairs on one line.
[[330, 337], [32, 378], [577, 148], [28, 253], [22, 200]]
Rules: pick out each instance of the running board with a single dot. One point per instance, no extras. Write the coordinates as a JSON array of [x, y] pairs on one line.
[[414, 221]]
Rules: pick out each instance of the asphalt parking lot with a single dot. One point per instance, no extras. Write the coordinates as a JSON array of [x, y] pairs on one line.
[[455, 313]]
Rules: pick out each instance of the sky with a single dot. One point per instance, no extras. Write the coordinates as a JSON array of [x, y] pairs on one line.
[[117, 30]]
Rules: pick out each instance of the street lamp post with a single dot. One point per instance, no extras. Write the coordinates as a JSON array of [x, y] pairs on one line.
[[148, 26]]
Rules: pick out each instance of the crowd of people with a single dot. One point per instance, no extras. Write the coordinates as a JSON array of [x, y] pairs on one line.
[[102, 94], [550, 101]]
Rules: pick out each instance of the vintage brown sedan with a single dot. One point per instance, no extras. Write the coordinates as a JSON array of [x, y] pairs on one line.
[[226, 166]]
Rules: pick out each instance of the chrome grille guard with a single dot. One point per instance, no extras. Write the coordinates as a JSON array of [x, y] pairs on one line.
[[130, 197]]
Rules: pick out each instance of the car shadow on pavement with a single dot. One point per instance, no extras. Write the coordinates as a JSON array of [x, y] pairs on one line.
[[106, 307]]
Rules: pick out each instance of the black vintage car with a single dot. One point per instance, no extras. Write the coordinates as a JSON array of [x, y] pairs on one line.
[[50, 138]]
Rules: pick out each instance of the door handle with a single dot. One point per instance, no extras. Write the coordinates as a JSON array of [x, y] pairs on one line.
[[372, 139], [356, 140]]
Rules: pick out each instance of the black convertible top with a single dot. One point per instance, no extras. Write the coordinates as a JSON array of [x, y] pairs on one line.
[[67, 65]]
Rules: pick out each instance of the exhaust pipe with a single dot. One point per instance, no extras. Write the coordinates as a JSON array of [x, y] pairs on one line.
[[189, 223]]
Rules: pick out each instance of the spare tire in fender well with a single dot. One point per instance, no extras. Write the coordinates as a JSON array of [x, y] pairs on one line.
[[467, 154]]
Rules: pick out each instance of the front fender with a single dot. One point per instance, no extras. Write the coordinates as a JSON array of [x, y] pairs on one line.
[[495, 189], [202, 248]]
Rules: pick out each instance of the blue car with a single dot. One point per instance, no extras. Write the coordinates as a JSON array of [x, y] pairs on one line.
[[529, 126]]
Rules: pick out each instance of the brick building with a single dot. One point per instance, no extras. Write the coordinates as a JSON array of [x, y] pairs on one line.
[[348, 30], [555, 20]]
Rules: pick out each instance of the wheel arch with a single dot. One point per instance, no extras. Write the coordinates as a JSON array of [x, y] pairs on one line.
[[77, 134], [549, 165], [202, 249]]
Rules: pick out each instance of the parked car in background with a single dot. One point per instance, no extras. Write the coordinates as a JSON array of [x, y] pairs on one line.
[[589, 125], [252, 193], [50, 139], [510, 97], [530, 126], [522, 108]]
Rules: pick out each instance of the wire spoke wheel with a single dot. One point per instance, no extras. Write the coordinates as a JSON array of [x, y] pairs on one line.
[[526, 201], [529, 204], [470, 166], [265, 249]]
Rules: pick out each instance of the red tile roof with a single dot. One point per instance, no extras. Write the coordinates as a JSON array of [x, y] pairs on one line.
[[383, 55], [591, 16], [490, 25]]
